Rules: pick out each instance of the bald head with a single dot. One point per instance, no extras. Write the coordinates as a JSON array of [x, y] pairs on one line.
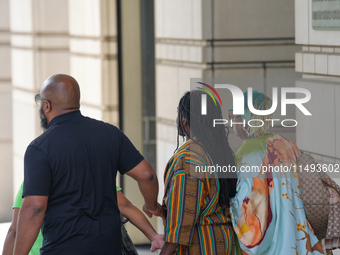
[[62, 91]]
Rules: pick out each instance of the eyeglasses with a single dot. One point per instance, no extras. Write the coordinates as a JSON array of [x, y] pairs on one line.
[[38, 99]]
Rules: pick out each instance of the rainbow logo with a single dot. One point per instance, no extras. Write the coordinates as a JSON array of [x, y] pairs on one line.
[[208, 92]]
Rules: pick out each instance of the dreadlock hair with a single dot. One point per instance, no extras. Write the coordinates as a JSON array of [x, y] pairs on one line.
[[214, 139]]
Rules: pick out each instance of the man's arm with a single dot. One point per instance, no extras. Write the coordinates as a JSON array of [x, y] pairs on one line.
[[30, 220], [10, 238], [148, 185]]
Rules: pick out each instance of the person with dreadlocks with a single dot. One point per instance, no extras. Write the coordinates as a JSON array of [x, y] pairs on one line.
[[267, 212], [197, 203]]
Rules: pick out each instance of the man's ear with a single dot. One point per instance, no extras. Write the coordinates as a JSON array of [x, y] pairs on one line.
[[47, 107]]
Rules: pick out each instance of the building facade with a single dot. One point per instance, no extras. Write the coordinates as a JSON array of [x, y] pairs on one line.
[[134, 60], [319, 63]]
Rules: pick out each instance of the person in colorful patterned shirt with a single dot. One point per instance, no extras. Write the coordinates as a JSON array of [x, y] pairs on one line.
[[196, 203], [267, 212]]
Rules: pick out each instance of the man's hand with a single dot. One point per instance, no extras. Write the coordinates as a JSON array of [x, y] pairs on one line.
[[158, 211], [157, 243]]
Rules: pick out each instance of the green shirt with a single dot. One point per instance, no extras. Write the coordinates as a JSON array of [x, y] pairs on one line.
[[38, 243]]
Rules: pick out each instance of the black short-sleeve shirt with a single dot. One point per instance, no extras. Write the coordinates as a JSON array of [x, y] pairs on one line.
[[75, 162]]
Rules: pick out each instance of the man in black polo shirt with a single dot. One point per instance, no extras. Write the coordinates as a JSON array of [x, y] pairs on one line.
[[70, 178]]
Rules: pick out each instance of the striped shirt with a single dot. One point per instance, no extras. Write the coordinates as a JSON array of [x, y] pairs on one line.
[[194, 219]]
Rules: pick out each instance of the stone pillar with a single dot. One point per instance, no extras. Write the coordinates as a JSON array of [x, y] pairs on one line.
[[93, 49], [39, 48], [132, 96], [319, 63], [6, 187], [218, 39]]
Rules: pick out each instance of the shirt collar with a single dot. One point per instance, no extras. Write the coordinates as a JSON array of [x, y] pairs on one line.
[[64, 117]]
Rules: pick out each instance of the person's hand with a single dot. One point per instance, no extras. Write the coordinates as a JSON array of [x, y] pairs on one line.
[[158, 211], [157, 243]]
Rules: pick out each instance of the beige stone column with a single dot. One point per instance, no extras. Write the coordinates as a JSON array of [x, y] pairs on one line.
[[218, 39], [132, 97], [39, 48], [6, 180], [93, 51]]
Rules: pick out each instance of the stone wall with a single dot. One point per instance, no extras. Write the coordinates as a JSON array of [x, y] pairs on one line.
[[6, 145], [39, 48], [319, 63]]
